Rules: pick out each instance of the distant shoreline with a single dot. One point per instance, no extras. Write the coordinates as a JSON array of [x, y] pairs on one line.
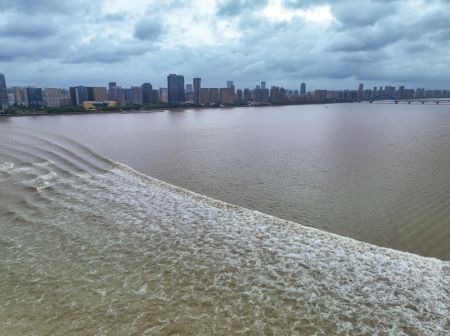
[[180, 108], [151, 110]]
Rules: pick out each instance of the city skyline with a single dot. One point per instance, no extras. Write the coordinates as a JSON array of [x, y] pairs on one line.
[[321, 42], [179, 92]]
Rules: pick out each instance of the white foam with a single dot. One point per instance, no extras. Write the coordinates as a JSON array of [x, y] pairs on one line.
[[124, 253]]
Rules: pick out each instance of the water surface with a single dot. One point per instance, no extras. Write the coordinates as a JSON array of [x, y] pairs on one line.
[[374, 172], [89, 246]]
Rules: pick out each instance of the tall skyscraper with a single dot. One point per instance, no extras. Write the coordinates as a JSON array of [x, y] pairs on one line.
[[163, 95], [197, 86], [189, 94], [303, 88], [230, 85], [175, 87], [263, 85], [136, 95], [35, 97], [239, 96], [247, 96], [78, 95], [189, 88], [361, 91], [117, 94], [111, 87], [3, 94], [401, 92], [147, 93]]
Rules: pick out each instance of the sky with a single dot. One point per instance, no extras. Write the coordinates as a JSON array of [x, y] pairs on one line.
[[328, 44]]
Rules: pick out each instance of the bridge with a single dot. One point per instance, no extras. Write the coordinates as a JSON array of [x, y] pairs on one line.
[[396, 100]]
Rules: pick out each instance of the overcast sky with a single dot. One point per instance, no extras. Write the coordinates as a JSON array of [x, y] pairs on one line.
[[328, 44]]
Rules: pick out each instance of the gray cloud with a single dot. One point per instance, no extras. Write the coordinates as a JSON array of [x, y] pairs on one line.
[[235, 7], [34, 28], [378, 42], [45, 6], [148, 30], [101, 51], [115, 17]]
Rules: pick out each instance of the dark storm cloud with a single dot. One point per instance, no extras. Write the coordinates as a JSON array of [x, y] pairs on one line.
[[362, 40]]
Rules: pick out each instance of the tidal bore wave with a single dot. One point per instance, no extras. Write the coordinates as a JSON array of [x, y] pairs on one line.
[[91, 247]]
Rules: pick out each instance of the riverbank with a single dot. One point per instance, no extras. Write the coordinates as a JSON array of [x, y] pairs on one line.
[[156, 109]]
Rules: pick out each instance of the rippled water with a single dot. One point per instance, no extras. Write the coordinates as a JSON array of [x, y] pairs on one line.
[[89, 246], [378, 173]]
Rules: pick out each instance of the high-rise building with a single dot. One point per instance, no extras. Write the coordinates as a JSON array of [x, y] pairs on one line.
[[175, 87], [111, 85], [275, 95], [320, 95], [163, 95], [265, 94], [35, 97], [54, 97], [213, 96], [361, 91], [197, 86], [401, 91], [263, 85], [227, 96], [189, 94], [78, 95], [117, 94], [256, 94], [155, 97], [97, 93], [204, 96], [20, 95], [136, 95], [147, 93], [247, 96], [420, 93], [128, 96], [303, 88], [230, 85], [239, 96], [4, 105], [11, 100]]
